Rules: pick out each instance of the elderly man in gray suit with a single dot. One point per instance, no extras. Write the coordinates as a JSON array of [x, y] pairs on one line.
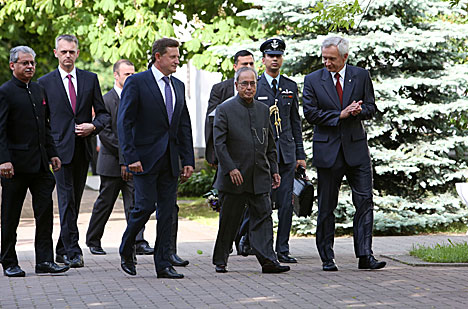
[[247, 171], [113, 174]]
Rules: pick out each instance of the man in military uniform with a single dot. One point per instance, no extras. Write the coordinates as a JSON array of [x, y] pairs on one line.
[[280, 94]]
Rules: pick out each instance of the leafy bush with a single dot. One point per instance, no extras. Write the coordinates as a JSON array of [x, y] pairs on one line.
[[198, 184]]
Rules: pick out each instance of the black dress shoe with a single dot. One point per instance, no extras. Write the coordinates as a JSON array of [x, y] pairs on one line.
[[62, 259], [244, 248], [329, 265], [221, 269], [369, 262], [177, 261], [97, 251], [50, 268], [144, 248], [128, 265], [274, 267], [286, 258], [169, 273], [77, 261], [14, 271]]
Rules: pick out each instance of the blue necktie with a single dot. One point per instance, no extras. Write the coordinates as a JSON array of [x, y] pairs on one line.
[[168, 94]]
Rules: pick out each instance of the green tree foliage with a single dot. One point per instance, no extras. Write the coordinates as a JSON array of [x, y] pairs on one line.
[[418, 140]]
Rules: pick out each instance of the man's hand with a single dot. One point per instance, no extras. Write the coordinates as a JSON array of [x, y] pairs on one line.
[[186, 173], [56, 163], [6, 170], [136, 167], [301, 163], [84, 129], [236, 177], [126, 176], [276, 181], [352, 109]]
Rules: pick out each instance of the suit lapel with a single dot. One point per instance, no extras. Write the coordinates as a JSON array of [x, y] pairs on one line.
[[230, 88], [79, 95], [329, 86], [179, 101], [63, 91], [263, 83], [348, 85], [154, 88]]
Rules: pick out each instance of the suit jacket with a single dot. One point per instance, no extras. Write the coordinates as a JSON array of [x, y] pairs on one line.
[[219, 93], [62, 118], [25, 138], [244, 140], [145, 133], [322, 108], [108, 162], [289, 142]]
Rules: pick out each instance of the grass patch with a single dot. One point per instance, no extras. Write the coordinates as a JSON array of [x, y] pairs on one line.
[[197, 210], [445, 253]]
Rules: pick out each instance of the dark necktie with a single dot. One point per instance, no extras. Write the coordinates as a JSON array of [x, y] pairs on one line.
[[273, 86], [168, 94], [72, 93], [339, 89]]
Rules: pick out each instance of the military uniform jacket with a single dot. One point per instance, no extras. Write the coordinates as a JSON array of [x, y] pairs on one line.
[[243, 139], [25, 138], [289, 140]]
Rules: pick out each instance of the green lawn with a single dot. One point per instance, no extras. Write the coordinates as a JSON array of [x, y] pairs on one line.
[[442, 253], [196, 209]]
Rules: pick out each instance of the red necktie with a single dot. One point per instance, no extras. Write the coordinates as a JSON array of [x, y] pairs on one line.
[[339, 89], [71, 91]]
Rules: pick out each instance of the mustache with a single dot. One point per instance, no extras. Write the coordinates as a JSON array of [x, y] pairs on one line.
[[29, 70]]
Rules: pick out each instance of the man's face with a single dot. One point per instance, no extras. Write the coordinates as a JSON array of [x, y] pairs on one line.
[[244, 61], [122, 73], [272, 62], [169, 61], [246, 86], [66, 53], [332, 59], [24, 68]]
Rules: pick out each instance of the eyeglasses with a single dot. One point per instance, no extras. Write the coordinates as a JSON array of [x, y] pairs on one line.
[[245, 84], [25, 63]]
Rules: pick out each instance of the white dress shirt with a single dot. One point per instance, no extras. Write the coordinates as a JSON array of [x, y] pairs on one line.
[[64, 77], [158, 76], [342, 76], [118, 90]]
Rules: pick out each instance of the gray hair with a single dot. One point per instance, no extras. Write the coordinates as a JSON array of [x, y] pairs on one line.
[[14, 52], [341, 43], [66, 37], [244, 69]]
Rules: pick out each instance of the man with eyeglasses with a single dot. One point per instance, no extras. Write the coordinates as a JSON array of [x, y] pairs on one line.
[[26, 148], [247, 171], [280, 94]]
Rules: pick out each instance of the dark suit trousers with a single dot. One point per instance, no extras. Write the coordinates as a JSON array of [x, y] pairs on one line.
[[159, 187], [260, 226], [285, 206], [41, 186], [102, 209], [71, 180], [174, 229], [329, 182]]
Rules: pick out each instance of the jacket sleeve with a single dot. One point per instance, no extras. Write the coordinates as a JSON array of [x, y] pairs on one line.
[[184, 137], [271, 151], [220, 134], [4, 153], [296, 126], [126, 118], [312, 111], [107, 135], [101, 117], [50, 144], [368, 102]]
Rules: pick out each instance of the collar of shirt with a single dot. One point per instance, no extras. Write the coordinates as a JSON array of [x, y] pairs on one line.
[[64, 74], [118, 90], [270, 79], [158, 75], [342, 76]]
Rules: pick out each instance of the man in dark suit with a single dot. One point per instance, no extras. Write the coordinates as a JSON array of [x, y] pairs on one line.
[[113, 174], [280, 94], [72, 95], [246, 152], [26, 147], [337, 99], [154, 134], [220, 93]]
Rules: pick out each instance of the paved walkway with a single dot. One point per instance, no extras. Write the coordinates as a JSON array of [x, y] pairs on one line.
[[101, 283]]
